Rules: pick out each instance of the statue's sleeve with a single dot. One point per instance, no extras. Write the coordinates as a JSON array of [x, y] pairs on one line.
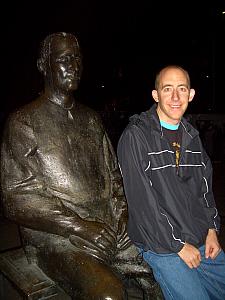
[[26, 201]]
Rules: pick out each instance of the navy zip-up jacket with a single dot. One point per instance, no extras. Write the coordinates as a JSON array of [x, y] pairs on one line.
[[167, 206]]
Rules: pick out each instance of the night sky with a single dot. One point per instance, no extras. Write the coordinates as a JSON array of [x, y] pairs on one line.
[[123, 44]]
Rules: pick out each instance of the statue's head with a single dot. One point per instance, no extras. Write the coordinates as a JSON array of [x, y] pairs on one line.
[[60, 61]]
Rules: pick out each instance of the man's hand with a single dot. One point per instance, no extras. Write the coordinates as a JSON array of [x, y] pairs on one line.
[[190, 255], [212, 246]]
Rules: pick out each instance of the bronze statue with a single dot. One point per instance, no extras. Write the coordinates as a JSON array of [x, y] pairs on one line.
[[61, 184]]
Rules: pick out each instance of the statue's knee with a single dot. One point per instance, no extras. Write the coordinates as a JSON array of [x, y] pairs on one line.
[[113, 290], [114, 294]]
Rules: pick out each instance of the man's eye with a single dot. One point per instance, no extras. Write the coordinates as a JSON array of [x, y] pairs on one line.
[[67, 59], [183, 89], [64, 59], [167, 89]]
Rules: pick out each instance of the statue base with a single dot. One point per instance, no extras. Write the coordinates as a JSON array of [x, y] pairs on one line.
[[21, 280]]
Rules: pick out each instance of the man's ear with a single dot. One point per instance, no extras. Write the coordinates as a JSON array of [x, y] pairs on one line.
[[155, 95], [41, 66], [192, 94]]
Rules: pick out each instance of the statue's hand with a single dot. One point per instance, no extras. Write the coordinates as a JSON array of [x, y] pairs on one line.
[[98, 235], [123, 241], [91, 249]]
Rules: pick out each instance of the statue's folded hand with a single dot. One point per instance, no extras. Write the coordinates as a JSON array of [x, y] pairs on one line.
[[123, 241], [95, 237]]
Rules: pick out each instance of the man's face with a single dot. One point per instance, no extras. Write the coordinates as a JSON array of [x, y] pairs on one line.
[[173, 95], [64, 67]]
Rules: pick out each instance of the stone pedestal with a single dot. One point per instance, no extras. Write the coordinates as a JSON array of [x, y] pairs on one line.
[[20, 280]]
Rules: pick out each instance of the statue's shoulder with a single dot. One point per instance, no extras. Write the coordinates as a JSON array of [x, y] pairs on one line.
[[19, 117], [24, 112], [89, 114]]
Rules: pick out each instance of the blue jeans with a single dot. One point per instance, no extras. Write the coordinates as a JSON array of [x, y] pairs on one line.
[[179, 282]]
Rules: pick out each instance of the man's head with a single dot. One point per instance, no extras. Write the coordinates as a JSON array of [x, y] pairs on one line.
[[60, 62], [172, 93]]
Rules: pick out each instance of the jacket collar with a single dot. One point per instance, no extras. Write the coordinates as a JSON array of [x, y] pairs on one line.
[[188, 129]]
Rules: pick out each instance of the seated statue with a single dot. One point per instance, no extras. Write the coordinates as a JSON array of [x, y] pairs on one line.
[[61, 184]]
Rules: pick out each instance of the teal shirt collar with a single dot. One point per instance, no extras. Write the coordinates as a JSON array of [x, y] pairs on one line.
[[169, 126]]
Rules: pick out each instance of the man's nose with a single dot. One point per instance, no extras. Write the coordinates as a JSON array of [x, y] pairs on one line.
[[73, 66], [175, 95], [76, 66]]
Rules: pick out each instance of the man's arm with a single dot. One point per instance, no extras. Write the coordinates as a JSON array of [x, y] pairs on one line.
[[191, 254], [209, 204], [152, 223], [212, 246]]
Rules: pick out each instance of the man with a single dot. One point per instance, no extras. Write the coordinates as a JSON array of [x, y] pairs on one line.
[[167, 177], [61, 184]]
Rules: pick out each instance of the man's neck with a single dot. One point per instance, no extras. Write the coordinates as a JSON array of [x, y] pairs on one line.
[[63, 101], [169, 126]]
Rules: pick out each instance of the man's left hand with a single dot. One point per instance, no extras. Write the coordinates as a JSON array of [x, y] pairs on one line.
[[212, 246]]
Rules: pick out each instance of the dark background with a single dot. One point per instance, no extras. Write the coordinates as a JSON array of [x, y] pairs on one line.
[[123, 44]]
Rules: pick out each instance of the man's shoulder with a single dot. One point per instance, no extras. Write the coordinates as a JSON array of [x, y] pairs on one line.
[[188, 127], [138, 129], [139, 123]]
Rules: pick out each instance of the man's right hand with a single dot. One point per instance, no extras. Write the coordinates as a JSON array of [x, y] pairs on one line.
[[190, 255]]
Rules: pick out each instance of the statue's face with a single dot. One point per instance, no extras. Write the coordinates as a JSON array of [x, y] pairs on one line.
[[64, 66]]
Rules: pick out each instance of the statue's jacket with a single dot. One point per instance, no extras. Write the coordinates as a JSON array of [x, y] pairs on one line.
[[167, 206], [57, 163]]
